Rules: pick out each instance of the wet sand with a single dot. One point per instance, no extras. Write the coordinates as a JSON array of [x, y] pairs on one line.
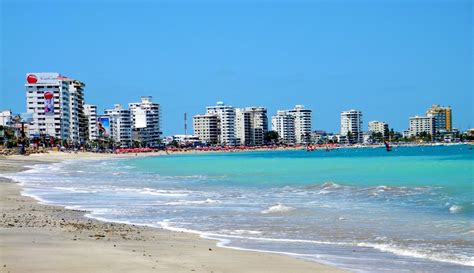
[[44, 238]]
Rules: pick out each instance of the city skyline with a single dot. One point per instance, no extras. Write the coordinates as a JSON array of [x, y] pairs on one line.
[[380, 59]]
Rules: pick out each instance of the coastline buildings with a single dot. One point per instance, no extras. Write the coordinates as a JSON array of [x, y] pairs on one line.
[[146, 122], [442, 118], [90, 113], [225, 125], [420, 125], [378, 127], [293, 126], [48, 101], [251, 124], [284, 124], [351, 125], [120, 125]]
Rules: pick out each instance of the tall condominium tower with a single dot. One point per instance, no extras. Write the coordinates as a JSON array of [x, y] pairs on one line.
[[351, 122], [284, 124], [442, 118], [206, 128], [226, 122], [303, 123], [146, 122], [120, 125], [251, 124], [48, 101]]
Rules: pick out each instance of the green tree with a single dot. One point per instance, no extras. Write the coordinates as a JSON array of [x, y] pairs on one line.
[[271, 137]]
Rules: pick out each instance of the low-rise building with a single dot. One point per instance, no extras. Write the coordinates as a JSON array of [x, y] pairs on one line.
[[378, 127], [6, 118], [420, 125]]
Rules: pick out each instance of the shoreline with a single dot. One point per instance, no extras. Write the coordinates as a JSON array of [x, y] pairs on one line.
[[46, 238]]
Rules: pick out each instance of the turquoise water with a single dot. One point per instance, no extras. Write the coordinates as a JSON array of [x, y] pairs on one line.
[[363, 209]]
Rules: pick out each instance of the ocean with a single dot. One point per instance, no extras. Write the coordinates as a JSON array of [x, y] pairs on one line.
[[364, 209]]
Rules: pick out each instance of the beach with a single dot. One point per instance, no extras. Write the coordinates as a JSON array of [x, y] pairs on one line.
[[44, 238]]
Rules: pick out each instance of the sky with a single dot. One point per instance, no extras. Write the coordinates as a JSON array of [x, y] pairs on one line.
[[390, 59]]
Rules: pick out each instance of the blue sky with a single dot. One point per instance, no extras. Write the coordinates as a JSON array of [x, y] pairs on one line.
[[389, 59]]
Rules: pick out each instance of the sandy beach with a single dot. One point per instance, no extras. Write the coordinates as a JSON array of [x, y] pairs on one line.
[[44, 238]]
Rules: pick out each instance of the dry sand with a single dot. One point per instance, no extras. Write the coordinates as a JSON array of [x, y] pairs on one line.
[[44, 238]]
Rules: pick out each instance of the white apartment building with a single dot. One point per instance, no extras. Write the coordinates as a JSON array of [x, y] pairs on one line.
[[378, 127], [303, 123], [146, 122], [77, 120], [48, 102], [6, 118], [206, 128], [351, 121], [284, 124], [226, 122], [251, 124], [90, 112], [421, 124], [120, 125]]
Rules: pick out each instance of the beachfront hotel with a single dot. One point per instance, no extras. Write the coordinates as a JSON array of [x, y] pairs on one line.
[[442, 118], [251, 124], [120, 125], [378, 127], [351, 122], [90, 112], [146, 122], [48, 102], [420, 125]]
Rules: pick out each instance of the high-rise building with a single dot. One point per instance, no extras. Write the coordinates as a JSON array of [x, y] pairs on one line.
[[251, 124], [90, 112], [378, 127], [77, 120], [442, 118], [226, 122], [48, 102], [206, 128], [284, 124], [146, 122], [120, 125], [421, 125], [56, 104], [303, 123], [351, 125]]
